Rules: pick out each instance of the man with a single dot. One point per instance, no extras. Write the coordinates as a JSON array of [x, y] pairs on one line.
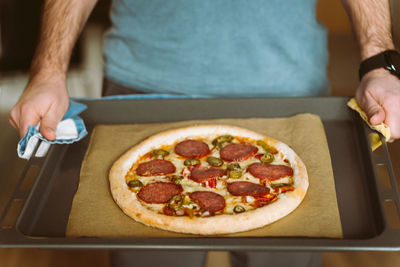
[[217, 48], [45, 98]]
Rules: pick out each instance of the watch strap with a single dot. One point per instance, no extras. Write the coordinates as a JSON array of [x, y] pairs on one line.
[[374, 62]]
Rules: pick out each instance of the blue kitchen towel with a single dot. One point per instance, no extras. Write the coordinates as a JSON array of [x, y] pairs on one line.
[[71, 129]]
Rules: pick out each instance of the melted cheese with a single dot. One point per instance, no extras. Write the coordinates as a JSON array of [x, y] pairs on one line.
[[189, 185]]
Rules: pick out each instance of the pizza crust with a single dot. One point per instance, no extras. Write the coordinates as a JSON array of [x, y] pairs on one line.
[[220, 224]]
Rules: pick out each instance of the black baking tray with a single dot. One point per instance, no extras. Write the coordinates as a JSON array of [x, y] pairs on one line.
[[42, 220]]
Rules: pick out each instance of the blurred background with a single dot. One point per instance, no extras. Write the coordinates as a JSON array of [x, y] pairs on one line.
[[19, 21]]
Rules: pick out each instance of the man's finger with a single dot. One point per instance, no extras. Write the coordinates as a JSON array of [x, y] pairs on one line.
[[377, 117], [27, 118], [374, 111], [48, 128], [14, 117], [12, 121], [48, 124]]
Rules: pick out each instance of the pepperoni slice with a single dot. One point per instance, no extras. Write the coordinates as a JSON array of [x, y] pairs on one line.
[[209, 201], [202, 174], [159, 192], [192, 149], [243, 188], [155, 167], [269, 171], [238, 152]]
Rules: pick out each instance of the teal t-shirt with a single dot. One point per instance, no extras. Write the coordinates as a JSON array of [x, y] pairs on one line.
[[217, 47]]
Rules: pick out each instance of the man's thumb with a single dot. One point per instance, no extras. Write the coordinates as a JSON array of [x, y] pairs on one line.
[[48, 126], [375, 113]]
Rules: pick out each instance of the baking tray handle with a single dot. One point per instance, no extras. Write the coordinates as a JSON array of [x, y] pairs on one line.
[[390, 193], [12, 210]]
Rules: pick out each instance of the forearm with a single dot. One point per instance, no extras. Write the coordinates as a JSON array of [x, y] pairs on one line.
[[62, 22], [371, 24]]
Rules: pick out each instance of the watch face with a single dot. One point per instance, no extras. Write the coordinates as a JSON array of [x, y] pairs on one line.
[[393, 61]]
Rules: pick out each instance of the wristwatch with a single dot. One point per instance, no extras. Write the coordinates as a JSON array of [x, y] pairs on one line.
[[389, 60]]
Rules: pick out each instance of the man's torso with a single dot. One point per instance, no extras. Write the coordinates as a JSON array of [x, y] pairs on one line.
[[218, 48]]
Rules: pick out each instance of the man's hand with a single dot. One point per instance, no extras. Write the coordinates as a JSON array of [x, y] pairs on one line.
[[44, 101], [379, 96], [45, 98]]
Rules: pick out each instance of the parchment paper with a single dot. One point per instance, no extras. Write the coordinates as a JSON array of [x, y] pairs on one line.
[[94, 213]]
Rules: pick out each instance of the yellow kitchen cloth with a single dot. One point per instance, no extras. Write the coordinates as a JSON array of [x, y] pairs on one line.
[[382, 127]]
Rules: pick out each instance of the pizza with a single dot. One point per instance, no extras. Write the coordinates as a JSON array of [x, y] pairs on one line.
[[208, 179]]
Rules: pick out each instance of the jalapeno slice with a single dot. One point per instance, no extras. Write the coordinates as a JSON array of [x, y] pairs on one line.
[[177, 178], [223, 138], [280, 185], [160, 153], [215, 162], [187, 200], [175, 202], [265, 146], [267, 158], [235, 174], [234, 166], [222, 141], [191, 162], [135, 184], [238, 209]]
